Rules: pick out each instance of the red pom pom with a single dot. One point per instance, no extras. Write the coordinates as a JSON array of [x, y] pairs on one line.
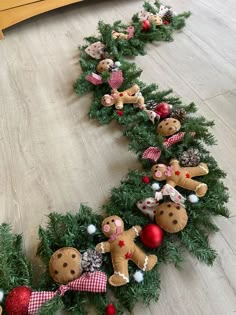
[[166, 22], [120, 112], [17, 301], [146, 25], [146, 179], [110, 309], [163, 109], [152, 235]]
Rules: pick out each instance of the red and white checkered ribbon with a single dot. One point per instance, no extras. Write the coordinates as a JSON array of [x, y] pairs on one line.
[[130, 31], [94, 78], [154, 153], [116, 79], [90, 281]]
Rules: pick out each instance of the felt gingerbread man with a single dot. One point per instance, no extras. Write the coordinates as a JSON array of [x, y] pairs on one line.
[[122, 248], [181, 176], [129, 96]]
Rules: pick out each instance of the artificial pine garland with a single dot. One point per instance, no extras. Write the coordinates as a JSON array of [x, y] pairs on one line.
[[71, 230]]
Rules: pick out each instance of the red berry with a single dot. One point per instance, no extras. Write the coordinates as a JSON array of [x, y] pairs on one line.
[[146, 179], [120, 112], [166, 22], [110, 309]]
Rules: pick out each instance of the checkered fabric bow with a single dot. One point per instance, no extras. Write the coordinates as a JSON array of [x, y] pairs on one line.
[[154, 153], [90, 281]]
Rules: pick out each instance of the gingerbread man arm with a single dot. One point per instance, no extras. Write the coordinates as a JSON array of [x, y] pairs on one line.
[[174, 162], [134, 231], [103, 247], [170, 182]]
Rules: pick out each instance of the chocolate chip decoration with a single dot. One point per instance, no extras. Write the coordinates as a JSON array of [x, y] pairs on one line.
[[65, 265], [171, 217]]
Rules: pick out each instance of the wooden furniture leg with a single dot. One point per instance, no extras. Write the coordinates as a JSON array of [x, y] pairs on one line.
[[1, 35]]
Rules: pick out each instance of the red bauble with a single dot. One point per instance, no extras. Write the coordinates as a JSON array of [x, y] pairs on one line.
[[146, 25], [110, 309], [146, 179], [166, 23], [120, 112], [152, 235], [17, 301], [163, 109]]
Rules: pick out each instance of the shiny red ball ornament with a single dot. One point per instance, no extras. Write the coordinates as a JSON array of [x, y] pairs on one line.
[[152, 235], [146, 25], [110, 309], [146, 179], [17, 301], [163, 109]]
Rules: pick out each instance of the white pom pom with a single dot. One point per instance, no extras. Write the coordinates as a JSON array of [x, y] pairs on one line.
[[1, 295], [193, 198], [155, 186], [91, 229], [138, 276], [117, 63]]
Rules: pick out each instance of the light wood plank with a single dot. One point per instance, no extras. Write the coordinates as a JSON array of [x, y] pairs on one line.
[[1, 35], [53, 156]]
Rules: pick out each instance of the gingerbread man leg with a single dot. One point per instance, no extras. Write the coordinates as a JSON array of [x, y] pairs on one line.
[[200, 170], [121, 273], [143, 261], [199, 188]]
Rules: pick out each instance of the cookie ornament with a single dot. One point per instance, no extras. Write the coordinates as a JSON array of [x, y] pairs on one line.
[[104, 65], [156, 19], [168, 126], [174, 175], [122, 248], [65, 265], [129, 96], [171, 217]]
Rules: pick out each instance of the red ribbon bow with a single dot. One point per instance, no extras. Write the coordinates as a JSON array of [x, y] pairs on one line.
[[89, 281]]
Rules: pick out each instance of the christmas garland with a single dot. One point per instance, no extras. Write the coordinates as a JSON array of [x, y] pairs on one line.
[[160, 128]]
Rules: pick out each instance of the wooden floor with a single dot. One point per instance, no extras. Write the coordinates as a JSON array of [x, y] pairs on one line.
[[53, 157]]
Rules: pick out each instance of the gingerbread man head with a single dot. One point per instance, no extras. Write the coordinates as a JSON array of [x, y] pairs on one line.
[[108, 100], [160, 172], [112, 225]]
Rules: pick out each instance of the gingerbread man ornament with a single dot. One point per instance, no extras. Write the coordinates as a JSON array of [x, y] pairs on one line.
[[181, 176], [122, 248], [129, 96]]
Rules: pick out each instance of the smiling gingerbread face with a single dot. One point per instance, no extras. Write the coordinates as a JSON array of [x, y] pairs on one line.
[[112, 225]]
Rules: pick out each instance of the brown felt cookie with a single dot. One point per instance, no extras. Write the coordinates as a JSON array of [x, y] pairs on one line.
[[104, 65], [65, 265], [168, 127], [171, 217]]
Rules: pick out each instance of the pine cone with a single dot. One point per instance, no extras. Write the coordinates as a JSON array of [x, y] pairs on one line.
[[191, 157], [151, 105], [168, 16], [91, 260], [178, 113]]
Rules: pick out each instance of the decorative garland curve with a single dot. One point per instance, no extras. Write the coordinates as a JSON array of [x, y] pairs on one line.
[[160, 128]]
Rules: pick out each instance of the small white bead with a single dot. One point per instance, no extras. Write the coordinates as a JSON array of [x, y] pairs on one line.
[[91, 229], [138, 276], [1, 295], [155, 186], [193, 198]]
